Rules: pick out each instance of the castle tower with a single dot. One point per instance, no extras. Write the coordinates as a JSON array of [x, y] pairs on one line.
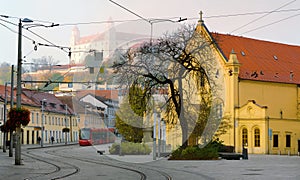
[[75, 36]]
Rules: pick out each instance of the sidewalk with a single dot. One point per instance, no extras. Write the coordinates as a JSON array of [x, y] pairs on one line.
[[29, 166]]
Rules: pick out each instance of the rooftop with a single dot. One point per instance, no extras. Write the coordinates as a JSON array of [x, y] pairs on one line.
[[262, 60]]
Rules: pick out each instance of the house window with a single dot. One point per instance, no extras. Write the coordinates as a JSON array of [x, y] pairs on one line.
[[70, 85], [288, 140], [32, 117], [49, 118], [245, 136], [37, 118], [256, 137], [275, 140], [46, 136]]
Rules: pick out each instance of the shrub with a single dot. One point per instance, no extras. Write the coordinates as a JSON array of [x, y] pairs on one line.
[[129, 148], [209, 152]]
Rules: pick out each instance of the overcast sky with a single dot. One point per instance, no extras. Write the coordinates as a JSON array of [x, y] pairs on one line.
[[280, 26]]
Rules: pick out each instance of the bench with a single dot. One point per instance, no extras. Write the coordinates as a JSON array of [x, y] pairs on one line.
[[101, 152], [231, 156]]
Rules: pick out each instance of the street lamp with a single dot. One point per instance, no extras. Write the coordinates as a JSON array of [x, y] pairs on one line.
[[43, 119], [4, 116], [66, 135], [19, 90]]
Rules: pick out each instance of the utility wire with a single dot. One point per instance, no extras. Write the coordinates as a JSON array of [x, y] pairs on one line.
[[262, 16], [54, 45], [98, 22], [60, 47], [275, 22], [247, 14], [15, 31]]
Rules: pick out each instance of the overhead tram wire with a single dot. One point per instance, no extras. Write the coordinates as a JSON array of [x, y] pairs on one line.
[[254, 20], [275, 22], [14, 30], [34, 41], [98, 22], [52, 44]]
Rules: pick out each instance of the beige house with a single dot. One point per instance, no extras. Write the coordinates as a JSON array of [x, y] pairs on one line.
[[57, 116]]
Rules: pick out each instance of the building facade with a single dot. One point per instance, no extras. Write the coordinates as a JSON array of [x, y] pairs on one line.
[[46, 112], [262, 99]]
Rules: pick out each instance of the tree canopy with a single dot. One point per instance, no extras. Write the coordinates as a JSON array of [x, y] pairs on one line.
[[183, 66]]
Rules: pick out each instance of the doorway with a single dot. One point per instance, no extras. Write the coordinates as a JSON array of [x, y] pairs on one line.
[[298, 146]]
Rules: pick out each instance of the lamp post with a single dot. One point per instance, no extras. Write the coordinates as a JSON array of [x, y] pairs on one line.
[[66, 135], [19, 90], [43, 121], [4, 117], [11, 105]]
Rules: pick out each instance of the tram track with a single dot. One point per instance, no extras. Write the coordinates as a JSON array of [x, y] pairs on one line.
[[143, 171], [57, 164]]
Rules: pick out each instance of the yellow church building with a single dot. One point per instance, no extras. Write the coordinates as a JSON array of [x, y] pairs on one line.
[[262, 95], [262, 92]]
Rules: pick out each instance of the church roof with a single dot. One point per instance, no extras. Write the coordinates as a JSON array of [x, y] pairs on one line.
[[262, 60]]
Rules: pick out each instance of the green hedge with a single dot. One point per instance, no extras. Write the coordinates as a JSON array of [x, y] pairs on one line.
[[129, 148], [209, 152]]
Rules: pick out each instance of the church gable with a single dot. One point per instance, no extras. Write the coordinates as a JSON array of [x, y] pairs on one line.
[[251, 110]]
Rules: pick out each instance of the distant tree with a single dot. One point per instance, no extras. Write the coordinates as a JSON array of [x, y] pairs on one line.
[[43, 63], [5, 72], [178, 62], [129, 118]]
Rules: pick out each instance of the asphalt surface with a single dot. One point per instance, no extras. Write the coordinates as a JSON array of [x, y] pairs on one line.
[[256, 167]]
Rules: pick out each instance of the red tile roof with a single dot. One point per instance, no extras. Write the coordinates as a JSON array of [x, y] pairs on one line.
[[52, 104], [108, 94], [91, 38], [24, 99], [262, 60]]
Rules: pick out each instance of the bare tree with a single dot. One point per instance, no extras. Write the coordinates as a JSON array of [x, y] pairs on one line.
[[181, 63], [45, 63]]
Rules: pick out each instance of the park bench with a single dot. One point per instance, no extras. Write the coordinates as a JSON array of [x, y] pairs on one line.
[[230, 156], [101, 152]]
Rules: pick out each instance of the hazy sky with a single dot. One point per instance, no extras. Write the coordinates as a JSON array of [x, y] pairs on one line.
[[65, 12]]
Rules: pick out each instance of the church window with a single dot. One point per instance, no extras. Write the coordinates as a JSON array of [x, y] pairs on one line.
[[256, 137], [275, 140], [245, 136], [288, 140]]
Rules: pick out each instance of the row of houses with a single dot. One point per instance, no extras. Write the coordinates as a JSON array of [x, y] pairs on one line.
[[55, 113]]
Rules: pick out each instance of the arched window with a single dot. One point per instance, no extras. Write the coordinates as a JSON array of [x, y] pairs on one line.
[[256, 137], [245, 137]]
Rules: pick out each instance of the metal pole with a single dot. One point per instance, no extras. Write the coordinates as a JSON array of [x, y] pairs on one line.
[[19, 91], [11, 106], [66, 124], [43, 119], [4, 118], [159, 135], [154, 135]]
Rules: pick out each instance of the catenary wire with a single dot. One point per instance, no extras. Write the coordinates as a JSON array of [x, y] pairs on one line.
[[266, 25], [254, 20]]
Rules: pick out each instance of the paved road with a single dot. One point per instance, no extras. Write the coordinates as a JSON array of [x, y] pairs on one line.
[[94, 166]]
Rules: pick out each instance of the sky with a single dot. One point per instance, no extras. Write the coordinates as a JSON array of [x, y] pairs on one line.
[[236, 17]]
